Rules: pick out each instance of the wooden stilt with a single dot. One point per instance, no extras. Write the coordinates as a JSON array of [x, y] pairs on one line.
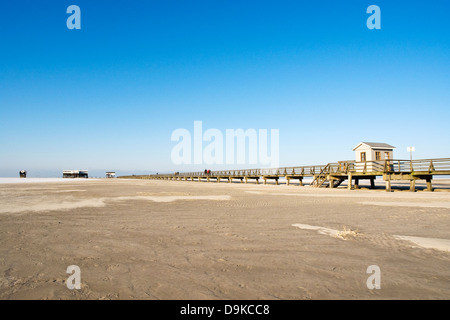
[[412, 185], [429, 185], [350, 181]]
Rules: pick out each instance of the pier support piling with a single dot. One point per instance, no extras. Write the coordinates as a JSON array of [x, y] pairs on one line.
[[429, 185], [388, 184], [412, 185], [350, 181]]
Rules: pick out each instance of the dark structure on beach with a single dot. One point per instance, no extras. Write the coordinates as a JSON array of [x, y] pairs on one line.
[[23, 173], [75, 174]]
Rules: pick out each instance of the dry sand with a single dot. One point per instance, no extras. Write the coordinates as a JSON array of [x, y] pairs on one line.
[[144, 239]]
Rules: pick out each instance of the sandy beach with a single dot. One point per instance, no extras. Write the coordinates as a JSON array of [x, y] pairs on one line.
[[148, 239]]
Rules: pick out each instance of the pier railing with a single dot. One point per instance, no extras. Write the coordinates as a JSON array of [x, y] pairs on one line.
[[421, 166], [440, 166], [284, 171]]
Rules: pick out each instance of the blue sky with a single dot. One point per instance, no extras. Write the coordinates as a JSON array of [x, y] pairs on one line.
[[108, 96]]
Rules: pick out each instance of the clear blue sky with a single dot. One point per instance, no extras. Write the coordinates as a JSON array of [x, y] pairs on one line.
[[108, 96]]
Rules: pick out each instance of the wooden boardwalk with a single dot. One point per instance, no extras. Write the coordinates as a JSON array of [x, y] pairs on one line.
[[330, 175]]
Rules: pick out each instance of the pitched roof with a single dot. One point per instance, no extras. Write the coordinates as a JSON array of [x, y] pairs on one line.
[[375, 145]]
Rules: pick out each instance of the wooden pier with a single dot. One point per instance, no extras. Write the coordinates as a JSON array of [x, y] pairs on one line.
[[330, 175]]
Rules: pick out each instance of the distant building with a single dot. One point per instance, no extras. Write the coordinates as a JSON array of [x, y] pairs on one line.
[[110, 174], [75, 174], [23, 173]]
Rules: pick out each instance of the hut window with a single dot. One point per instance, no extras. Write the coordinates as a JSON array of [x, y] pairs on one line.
[[386, 155], [377, 155], [363, 156]]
